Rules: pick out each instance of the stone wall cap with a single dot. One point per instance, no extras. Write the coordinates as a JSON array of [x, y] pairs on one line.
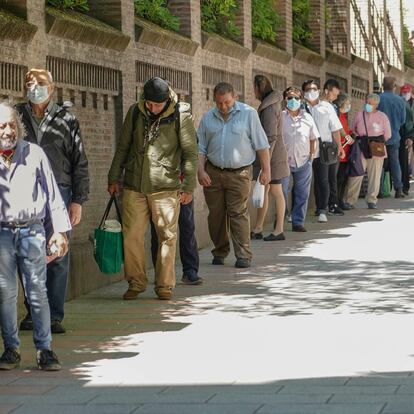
[[13, 27], [85, 29], [362, 63], [154, 35], [304, 54], [272, 52], [227, 47], [333, 57]]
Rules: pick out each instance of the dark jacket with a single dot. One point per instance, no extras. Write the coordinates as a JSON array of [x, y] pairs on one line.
[[158, 166], [407, 130], [64, 148]]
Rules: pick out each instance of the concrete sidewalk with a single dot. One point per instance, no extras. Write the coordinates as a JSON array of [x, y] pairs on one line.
[[322, 323]]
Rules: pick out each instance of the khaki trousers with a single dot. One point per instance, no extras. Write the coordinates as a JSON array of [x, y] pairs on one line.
[[373, 166], [163, 208], [226, 200]]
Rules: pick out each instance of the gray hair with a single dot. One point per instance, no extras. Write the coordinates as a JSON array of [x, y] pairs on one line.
[[342, 98], [373, 97], [21, 130]]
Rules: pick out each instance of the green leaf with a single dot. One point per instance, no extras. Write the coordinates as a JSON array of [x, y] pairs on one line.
[[156, 11]]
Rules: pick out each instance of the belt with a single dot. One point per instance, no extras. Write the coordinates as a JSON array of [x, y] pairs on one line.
[[228, 169], [19, 224]]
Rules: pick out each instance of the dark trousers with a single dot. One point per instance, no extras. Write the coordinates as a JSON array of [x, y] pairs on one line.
[[333, 184], [342, 179], [405, 173], [57, 271], [187, 240], [321, 185]]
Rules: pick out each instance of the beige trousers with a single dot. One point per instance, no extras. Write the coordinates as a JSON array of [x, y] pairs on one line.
[[163, 208], [373, 166], [226, 200]]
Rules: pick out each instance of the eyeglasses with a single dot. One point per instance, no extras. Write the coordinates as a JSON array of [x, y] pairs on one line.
[[32, 83], [293, 97]]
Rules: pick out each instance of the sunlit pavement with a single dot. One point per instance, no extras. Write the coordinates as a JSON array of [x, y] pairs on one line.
[[321, 323]]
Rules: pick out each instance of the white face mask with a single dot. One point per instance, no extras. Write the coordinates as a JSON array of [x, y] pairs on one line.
[[38, 94], [312, 95], [407, 96]]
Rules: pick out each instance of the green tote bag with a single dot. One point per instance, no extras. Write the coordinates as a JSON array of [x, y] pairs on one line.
[[108, 248]]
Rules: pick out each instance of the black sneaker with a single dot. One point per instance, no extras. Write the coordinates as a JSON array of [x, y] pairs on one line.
[[242, 263], [57, 328], [27, 323], [187, 280], [47, 360], [10, 359], [335, 210], [217, 260]]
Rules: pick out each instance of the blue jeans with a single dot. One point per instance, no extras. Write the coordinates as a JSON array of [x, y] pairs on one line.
[[393, 152], [24, 249], [302, 178], [58, 270], [188, 243]]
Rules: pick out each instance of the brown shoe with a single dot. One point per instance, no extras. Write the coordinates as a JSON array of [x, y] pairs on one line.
[[164, 294], [131, 294]]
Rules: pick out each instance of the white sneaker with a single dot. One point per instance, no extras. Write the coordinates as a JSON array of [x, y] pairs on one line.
[[289, 218], [322, 218]]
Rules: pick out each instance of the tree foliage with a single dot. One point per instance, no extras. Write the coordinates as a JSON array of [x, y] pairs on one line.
[[265, 20], [156, 11], [79, 5], [302, 33], [406, 43], [218, 16]]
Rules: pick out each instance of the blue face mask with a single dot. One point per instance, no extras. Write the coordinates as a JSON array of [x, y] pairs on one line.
[[346, 108], [293, 104], [368, 108], [38, 94]]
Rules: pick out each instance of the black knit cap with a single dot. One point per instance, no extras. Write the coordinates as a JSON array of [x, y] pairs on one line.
[[156, 90]]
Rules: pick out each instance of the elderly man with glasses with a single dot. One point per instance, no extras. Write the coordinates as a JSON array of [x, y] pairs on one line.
[[57, 131]]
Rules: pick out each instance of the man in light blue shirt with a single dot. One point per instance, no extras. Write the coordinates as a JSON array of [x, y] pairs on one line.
[[229, 137], [28, 189]]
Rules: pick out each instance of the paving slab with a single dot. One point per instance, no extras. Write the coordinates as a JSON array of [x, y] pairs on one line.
[[321, 323]]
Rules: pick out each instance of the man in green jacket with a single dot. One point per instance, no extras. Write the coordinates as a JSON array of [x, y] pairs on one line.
[[157, 144]]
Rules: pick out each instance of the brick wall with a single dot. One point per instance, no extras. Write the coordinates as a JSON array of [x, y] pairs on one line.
[[187, 55]]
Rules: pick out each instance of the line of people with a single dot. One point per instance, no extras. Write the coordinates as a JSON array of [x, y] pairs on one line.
[[294, 135]]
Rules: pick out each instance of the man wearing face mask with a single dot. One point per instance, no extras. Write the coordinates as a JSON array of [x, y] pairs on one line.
[[329, 126], [394, 107], [57, 131], [29, 190], [407, 136], [300, 135], [157, 145]]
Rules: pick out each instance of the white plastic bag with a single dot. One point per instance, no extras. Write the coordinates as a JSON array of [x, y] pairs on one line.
[[258, 194], [113, 226]]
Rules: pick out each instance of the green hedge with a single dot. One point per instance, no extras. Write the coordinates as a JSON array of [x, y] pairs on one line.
[[301, 30], [265, 19], [79, 5], [218, 16], [156, 11]]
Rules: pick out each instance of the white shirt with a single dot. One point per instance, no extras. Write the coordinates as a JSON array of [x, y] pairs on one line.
[[326, 120], [297, 133]]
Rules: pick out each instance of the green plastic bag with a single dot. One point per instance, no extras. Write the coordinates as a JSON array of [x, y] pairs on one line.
[[108, 242], [386, 188]]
